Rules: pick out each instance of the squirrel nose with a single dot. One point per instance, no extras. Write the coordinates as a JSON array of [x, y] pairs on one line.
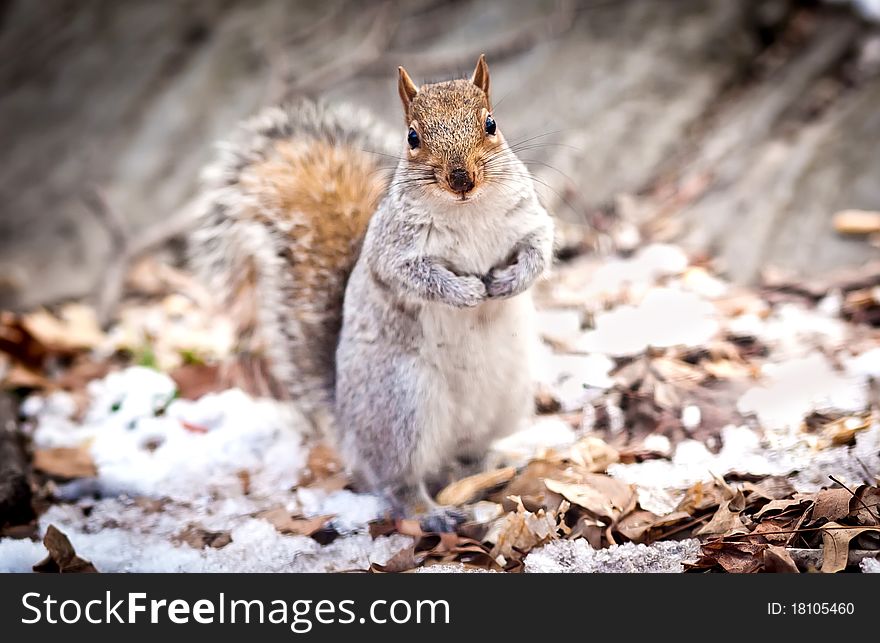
[[460, 180]]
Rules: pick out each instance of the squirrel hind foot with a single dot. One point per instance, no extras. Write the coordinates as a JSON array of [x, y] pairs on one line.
[[443, 520]]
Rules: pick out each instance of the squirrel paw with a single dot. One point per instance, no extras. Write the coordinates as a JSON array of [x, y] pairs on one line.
[[442, 520], [470, 293], [502, 282]]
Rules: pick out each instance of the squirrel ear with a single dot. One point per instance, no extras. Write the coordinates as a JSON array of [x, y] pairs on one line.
[[480, 77], [407, 88]]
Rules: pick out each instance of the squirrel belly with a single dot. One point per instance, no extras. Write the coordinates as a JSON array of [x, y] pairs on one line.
[[284, 211]]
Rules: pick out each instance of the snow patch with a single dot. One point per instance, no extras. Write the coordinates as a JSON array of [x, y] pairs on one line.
[[576, 556], [796, 387], [666, 317]]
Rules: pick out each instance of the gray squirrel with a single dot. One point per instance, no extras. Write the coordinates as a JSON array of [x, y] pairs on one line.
[[433, 335]]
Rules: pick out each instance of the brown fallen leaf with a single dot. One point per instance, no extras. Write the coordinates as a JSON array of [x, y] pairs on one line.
[[635, 525], [771, 488], [520, 531], [200, 538], [832, 504], [75, 328], [62, 558], [83, 370], [834, 428], [19, 376], [867, 506], [785, 506], [778, 560], [324, 469], [592, 454], [467, 489], [403, 561], [64, 462], [529, 486], [727, 520], [701, 497], [835, 545], [732, 557], [776, 531], [195, 380], [857, 222], [285, 523], [601, 495]]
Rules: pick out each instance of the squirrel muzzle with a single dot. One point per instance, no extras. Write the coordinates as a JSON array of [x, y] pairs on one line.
[[460, 180]]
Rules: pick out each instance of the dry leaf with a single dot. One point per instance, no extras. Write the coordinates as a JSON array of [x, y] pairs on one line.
[[62, 462], [76, 328], [832, 504], [324, 469], [701, 497], [771, 488], [62, 557], [779, 507], [520, 531], [20, 376], [402, 561], [835, 545], [867, 507], [778, 560], [529, 486], [602, 496], [285, 523], [195, 380], [637, 523], [727, 520], [776, 531], [467, 489], [593, 454], [857, 222], [732, 557], [199, 538]]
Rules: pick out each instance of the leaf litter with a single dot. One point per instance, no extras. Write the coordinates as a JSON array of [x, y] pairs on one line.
[[682, 424]]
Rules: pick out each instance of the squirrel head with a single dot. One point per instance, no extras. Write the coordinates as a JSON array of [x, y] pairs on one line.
[[451, 133]]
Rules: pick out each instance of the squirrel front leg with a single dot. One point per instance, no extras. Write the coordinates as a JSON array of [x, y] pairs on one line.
[[530, 260], [426, 278]]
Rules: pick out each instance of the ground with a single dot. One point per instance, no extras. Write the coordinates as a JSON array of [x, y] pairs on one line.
[[682, 423]]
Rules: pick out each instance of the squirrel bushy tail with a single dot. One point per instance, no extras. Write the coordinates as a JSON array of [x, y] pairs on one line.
[[284, 211]]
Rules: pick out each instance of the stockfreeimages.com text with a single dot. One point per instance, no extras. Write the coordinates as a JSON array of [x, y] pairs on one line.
[[299, 615]]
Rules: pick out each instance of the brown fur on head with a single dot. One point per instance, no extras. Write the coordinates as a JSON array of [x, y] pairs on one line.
[[449, 120]]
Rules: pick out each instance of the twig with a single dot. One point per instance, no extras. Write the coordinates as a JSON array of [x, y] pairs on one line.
[[788, 531], [127, 248], [814, 557], [114, 272], [797, 526]]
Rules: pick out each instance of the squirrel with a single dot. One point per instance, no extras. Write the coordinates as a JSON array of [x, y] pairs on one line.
[[424, 359]]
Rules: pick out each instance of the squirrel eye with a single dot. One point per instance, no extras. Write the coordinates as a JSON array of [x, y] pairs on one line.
[[490, 126], [412, 138]]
